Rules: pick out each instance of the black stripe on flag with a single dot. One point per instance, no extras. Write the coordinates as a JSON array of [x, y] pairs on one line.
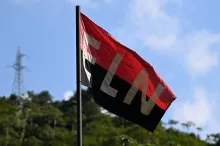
[[116, 105]]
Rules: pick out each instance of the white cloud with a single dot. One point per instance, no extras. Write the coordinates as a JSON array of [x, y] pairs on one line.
[[200, 57], [165, 42], [68, 95], [25, 96], [163, 32], [202, 110], [156, 28], [199, 109]]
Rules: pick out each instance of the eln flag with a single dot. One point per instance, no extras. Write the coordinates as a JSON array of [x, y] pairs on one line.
[[120, 80]]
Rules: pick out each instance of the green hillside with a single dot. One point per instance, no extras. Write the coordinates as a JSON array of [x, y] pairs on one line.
[[44, 122]]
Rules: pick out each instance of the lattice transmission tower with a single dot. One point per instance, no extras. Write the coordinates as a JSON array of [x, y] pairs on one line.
[[18, 83]]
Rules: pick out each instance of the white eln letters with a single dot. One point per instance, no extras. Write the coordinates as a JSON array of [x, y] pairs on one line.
[[105, 87], [142, 81], [147, 106], [89, 40]]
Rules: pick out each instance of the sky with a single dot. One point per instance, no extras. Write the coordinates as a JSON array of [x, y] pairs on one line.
[[179, 38]]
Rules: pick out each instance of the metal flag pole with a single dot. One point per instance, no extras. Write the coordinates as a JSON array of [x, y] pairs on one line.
[[78, 79]]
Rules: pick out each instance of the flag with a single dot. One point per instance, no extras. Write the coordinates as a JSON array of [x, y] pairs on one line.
[[120, 80]]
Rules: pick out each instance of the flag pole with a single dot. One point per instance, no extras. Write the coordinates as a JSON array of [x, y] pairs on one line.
[[78, 78]]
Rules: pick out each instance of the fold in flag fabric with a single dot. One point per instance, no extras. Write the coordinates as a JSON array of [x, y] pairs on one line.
[[121, 81]]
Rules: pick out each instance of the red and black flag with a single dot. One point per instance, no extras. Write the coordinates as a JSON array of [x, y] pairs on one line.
[[120, 80]]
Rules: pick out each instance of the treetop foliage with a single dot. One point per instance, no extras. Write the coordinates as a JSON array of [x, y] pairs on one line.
[[41, 121]]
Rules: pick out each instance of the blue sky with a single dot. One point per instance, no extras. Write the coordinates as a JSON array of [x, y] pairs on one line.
[[179, 38]]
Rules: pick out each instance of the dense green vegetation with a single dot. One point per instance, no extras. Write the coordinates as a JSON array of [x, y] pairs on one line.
[[44, 122]]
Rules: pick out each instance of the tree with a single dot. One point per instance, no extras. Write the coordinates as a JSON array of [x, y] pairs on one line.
[[214, 138], [199, 128], [8, 118], [188, 124], [125, 140], [172, 122], [46, 122], [185, 125], [43, 98]]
